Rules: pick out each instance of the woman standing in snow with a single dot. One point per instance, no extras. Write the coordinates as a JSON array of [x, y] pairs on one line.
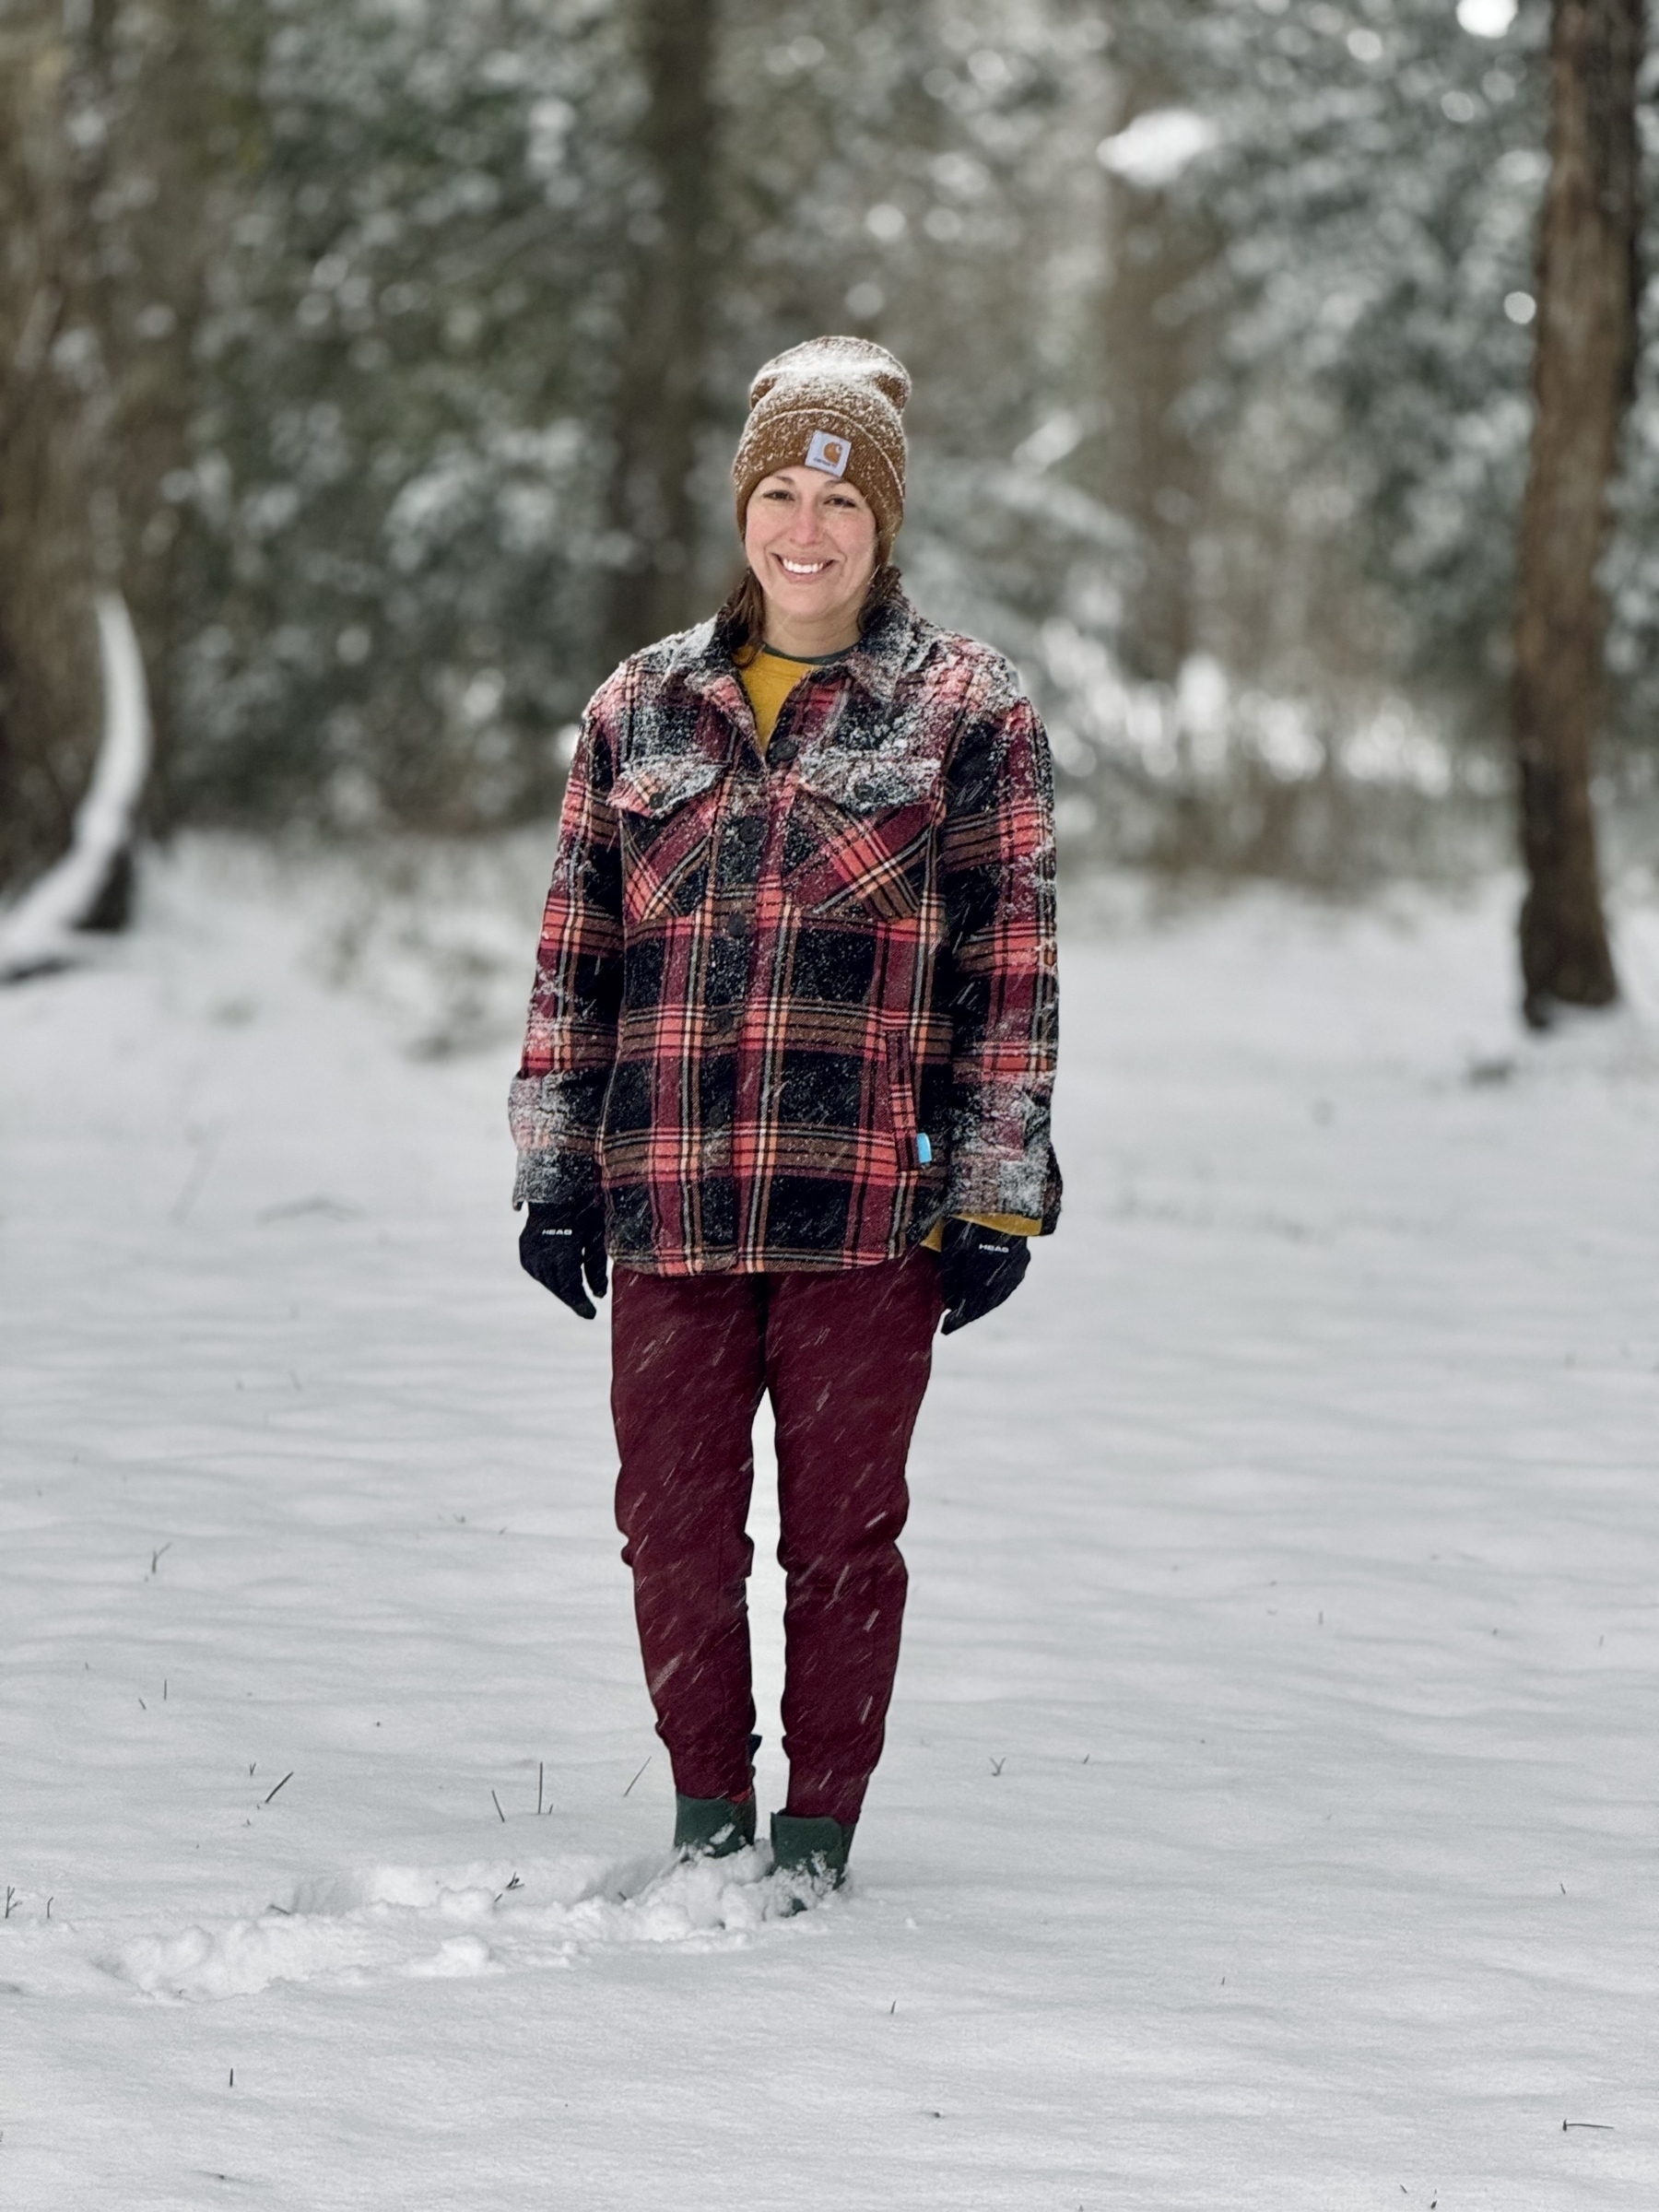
[[789, 1061]]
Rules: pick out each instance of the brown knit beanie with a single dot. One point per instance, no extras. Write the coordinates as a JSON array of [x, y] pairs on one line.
[[831, 404]]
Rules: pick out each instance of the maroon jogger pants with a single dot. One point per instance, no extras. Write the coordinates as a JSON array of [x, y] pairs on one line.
[[845, 1357]]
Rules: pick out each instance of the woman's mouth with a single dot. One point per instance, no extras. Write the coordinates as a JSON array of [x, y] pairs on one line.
[[800, 568]]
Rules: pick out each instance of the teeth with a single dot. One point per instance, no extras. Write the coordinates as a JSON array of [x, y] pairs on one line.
[[802, 567]]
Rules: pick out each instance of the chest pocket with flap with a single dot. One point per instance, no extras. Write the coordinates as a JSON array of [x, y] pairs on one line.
[[668, 806]]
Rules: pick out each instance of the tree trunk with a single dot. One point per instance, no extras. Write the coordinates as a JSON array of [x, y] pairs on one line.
[[164, 72], [105, 113], [1152, 472], [1583, 370], [660, 400], [49, 689]]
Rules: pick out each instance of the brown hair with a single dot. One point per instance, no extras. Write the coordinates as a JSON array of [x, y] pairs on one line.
[[740, 626]]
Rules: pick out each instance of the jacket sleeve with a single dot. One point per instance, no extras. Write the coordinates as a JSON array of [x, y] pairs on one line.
[[557, 1103], [997, 877]]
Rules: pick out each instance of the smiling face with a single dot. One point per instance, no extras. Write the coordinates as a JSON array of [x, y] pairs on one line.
[[811, 541]]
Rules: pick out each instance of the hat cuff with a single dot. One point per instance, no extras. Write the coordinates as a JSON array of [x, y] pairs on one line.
[[773, 445]]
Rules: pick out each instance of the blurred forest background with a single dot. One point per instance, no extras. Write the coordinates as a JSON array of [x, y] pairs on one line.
[[388, 355]]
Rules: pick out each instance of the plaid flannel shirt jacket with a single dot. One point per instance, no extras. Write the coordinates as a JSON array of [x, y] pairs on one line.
[[791, 1008]]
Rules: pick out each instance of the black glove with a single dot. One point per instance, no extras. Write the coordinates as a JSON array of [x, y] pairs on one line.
[[977, 1269], [559, 1245]]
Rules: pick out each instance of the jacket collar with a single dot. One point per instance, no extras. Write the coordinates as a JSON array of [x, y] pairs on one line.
[[897, 641]]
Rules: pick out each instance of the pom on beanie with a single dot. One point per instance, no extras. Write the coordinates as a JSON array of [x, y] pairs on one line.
[[832, 403]]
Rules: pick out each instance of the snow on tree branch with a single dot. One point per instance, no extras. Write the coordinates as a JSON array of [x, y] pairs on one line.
[[38, 934]]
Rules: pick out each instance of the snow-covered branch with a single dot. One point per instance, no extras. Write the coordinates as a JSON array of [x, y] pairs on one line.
[[39, 933]]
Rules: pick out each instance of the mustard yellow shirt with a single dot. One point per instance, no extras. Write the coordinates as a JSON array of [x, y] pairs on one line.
[[769, 678]]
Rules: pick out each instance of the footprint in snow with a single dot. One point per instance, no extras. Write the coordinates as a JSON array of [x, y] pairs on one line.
[[378, 1923]]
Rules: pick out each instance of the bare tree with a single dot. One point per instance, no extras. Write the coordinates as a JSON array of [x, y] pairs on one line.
[[48, 658], [660, 401], [104, 191], [166, 75], [1584, 372]]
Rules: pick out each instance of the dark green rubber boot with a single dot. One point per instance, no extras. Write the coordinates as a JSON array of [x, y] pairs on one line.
[[713, 1828], [813, 1854]]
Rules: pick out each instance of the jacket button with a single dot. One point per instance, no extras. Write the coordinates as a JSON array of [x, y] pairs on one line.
[[783, 750]]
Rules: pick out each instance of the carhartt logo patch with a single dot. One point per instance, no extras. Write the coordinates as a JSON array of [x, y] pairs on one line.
[[830, 453]]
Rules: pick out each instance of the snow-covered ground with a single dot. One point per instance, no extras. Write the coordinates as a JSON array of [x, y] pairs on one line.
[[1268, 1815]]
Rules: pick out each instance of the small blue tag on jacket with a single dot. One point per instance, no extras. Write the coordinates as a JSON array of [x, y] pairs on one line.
[[923, 1150]]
